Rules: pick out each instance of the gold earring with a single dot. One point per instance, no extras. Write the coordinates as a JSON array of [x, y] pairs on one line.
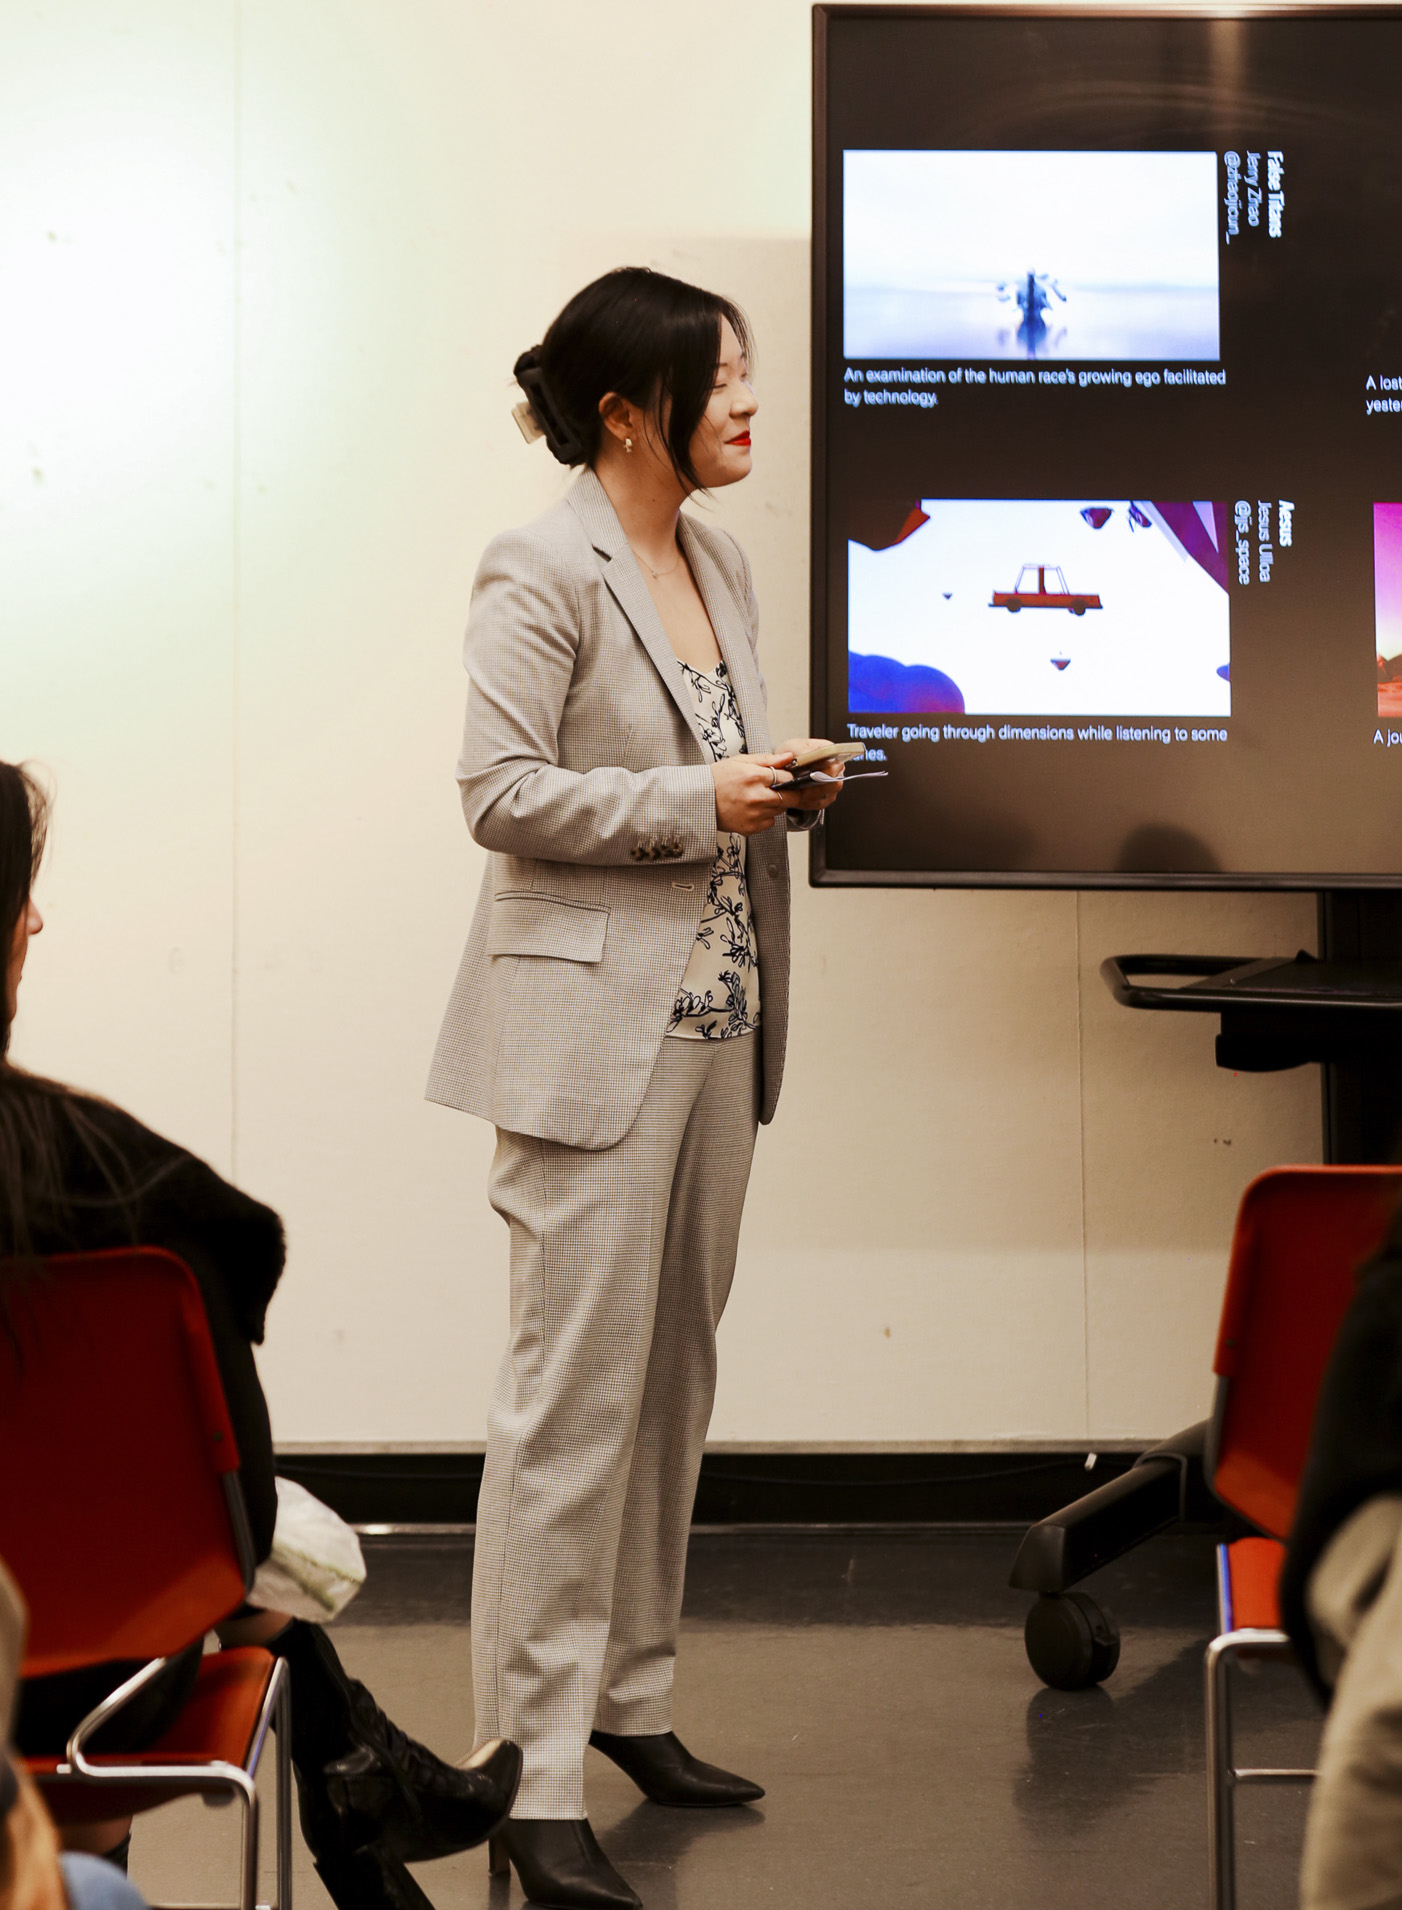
[[627, 444]]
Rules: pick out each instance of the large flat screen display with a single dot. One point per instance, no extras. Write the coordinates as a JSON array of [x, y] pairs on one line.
[[1107, 513]]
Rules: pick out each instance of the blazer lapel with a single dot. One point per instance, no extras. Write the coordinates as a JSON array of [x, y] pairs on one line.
[[722, 607], [629, 589]]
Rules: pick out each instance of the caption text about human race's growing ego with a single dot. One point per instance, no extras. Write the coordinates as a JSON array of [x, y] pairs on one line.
[[918, 387]]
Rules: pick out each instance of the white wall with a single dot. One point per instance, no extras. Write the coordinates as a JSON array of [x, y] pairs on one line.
[[266, 266]]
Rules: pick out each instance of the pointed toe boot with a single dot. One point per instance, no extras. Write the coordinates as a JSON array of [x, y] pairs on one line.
[[665, 1771], [560, 1865]]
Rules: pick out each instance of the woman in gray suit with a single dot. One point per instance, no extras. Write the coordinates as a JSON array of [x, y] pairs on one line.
[[607, 1018]]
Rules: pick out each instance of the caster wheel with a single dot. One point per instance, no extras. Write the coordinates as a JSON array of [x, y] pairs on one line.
[[1070, 1642]]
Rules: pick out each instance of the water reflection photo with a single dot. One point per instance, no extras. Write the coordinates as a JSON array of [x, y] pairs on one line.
[[1064, 255]]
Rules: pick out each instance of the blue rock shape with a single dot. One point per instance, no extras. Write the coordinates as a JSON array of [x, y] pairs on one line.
[[880, 684]]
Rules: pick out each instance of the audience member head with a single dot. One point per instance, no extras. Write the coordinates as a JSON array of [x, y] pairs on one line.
[[41, 1121], [24, 811], [650, 342]]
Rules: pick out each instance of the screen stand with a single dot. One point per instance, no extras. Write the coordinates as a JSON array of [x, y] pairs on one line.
[[1341, 1009], [1362, 1098]]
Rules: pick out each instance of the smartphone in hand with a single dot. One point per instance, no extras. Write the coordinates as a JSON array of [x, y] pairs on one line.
[[804, 764]]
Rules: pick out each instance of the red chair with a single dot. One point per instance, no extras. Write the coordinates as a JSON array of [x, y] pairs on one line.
[[1301, 1235], [122, 1521]]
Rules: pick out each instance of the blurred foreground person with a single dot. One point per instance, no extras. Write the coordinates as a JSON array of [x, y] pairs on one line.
[[77, 1174], [1341, 1600], [33, 1875]]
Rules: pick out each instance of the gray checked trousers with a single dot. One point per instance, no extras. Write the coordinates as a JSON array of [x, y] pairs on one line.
[[621, 1262]]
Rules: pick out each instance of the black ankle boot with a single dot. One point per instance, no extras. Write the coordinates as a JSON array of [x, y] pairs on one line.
[[363, 1782], [560, 1864], [664, 1770]]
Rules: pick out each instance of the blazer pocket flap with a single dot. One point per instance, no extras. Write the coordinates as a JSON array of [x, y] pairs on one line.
[[531, 924]]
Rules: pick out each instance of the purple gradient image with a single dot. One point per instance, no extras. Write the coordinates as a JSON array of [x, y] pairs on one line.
[[1387, 578]]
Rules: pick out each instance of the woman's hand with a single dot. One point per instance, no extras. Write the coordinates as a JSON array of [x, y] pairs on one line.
[[749, 791], [813, 795]]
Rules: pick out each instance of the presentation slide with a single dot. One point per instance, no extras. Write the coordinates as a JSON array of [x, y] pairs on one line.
[[1030, 255], [1387, 586], [1045, 607], [1107, 434]]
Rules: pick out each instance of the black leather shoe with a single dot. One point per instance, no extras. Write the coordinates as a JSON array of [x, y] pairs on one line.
[[560, 1865], [664, 1770], [398, 1796], [361, 1781]]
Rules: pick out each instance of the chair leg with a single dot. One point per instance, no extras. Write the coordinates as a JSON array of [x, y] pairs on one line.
[[1221, 1827], [248, 1869], [282, 1726]]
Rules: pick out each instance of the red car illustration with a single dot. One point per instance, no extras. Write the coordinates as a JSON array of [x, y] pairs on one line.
[[1078, 602]]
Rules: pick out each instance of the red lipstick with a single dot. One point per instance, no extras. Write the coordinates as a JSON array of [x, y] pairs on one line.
[[744, 440]]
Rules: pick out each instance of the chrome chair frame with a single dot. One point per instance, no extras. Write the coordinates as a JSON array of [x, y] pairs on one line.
[[1223, 1776], [218, 1782]]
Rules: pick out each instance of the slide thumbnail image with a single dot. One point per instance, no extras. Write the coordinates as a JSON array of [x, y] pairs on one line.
[[1030, 255], [1008, 607], [1387, 602]]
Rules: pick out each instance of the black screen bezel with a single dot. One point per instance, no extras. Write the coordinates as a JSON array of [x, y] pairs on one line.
[[819, 875]]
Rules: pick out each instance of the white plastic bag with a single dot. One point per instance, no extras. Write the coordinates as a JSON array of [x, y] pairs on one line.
[[316, 1567]]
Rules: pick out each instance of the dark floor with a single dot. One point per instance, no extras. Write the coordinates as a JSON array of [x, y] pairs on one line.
[[875, 1682]]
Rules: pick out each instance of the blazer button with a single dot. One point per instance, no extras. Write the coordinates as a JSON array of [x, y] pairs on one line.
[[774, 868]]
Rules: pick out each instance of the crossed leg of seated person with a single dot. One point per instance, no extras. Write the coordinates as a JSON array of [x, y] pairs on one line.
[[370, 1798]]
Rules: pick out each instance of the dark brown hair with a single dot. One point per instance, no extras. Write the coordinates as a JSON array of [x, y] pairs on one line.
[[654, 340], [40, 1120], [24, 822]]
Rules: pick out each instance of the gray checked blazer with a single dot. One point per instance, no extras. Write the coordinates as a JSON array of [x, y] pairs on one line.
[[583, 775]]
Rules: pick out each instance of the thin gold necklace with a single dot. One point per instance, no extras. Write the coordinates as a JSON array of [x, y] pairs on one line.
[[648, 567]]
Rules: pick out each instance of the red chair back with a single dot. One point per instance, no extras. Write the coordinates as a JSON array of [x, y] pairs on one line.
[[1301, 1235], [120, 1514]]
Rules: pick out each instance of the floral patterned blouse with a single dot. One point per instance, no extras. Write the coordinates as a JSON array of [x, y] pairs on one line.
[[719, 993]]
